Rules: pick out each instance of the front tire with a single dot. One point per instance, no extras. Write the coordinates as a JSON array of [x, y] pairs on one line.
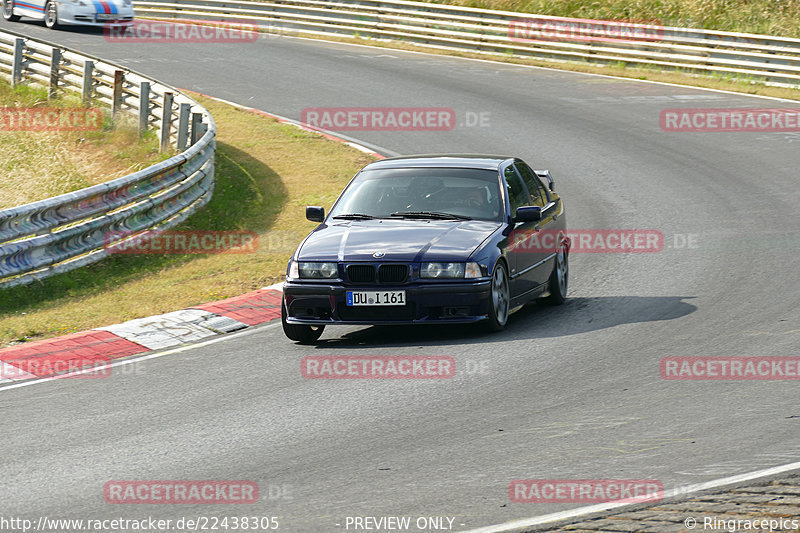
[[300, 333], [499, 298], [8, 11], [51, 15]]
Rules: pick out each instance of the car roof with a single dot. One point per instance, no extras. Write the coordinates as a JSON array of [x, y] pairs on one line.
[[478, 161]]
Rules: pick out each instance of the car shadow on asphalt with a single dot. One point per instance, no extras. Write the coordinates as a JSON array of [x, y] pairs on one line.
[[576, 316], [98, 30], [86, 30]]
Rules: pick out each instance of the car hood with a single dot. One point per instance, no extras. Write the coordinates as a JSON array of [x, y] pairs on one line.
[[400, 240]]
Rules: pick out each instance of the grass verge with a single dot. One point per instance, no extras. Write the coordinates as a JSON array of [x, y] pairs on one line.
[[266, 173], [36, 164]]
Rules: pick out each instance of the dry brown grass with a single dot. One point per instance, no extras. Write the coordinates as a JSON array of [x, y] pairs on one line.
[[39, 165]]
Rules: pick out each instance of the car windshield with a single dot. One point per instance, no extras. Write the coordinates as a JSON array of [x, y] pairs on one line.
[[421, 193]]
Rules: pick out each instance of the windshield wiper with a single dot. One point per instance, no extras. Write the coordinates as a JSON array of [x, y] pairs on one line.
[[430, 214], [355, 216]]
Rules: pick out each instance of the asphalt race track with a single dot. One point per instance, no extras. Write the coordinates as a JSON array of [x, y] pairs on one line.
[[566, 393]]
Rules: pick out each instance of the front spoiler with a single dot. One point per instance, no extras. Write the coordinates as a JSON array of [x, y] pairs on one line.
[[332, 322], [471, 294]]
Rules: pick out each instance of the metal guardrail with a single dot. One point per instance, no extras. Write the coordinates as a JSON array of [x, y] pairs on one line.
[[72, 230], [772, 59]]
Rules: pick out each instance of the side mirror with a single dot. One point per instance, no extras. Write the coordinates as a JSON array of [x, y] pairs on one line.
[[315, 213], [534, 213], [528, 213], [545, 175]]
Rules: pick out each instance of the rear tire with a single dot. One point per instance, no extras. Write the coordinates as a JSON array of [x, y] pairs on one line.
[[559, 278], [499, 299], [51, 15], [299, 333], [8, 11]]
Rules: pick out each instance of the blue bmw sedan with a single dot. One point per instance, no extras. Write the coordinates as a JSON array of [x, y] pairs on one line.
[[430, 239]]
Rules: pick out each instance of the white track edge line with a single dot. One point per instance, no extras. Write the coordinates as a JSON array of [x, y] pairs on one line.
[[346, 139], [601, 507], [358, 144]]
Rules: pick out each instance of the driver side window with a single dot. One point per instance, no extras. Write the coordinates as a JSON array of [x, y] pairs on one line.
[[537, 192], [517, 195]]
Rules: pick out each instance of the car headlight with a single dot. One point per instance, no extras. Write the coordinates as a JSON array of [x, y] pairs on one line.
[[450, 270], [308, 270], [442, 270]]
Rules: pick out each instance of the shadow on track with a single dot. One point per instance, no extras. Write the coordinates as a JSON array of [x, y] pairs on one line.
[[577, 315], [26, 23]]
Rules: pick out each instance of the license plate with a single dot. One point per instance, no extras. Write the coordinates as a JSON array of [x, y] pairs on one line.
[[106, 16], [376, 298]]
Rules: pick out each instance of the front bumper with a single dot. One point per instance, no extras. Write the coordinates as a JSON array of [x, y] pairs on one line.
[[426, 303], [69, 13]]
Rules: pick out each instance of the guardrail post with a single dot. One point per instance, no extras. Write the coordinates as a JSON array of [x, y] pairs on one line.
[[166, 121], [144, 107], [197, 121], [116, 106], [55, 67], [183, 126], [88, 79], [16, 65]]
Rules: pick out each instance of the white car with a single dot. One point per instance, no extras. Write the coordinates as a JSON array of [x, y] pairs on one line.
[[84, 12]]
